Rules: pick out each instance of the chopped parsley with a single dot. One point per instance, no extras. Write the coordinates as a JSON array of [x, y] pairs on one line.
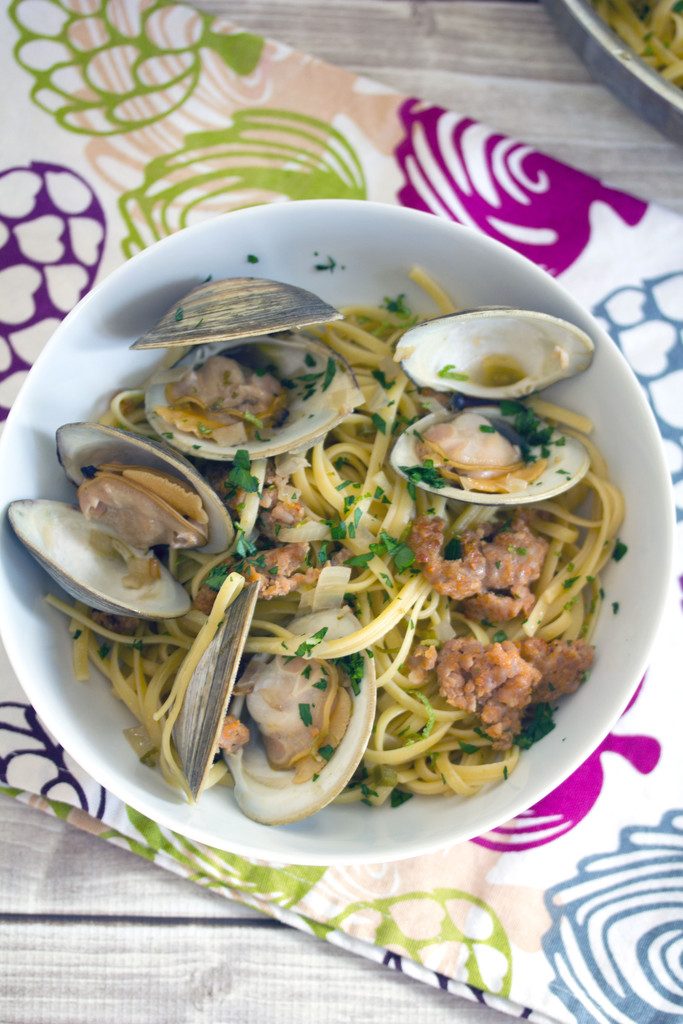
[[426, 474], [307, 672], [397, 305], [305, 714], [516, 551], [327, 751], [254, 420], [615, 607], [379, 493], [450, 372], [251, 258], [75, 636], [453, 550], [398, 797], [179, 314], [468, 748], [329, 264], [306, 646], [103, 650], [537, 725], [330, 371], [505, 772], [361, 561], [379, 423], [244, 547], [380, 377], [168, 435], [426, 729], [217, 577], [620, 550], [567, 584], [321, 685], [137, 644], [402, 556], [532, 432], [486, 428], [354, 667], [499, 636], [322, 553], [240, 474]]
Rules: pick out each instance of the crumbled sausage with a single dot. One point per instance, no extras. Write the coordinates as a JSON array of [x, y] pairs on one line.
[[116, 623], [493, 573], [493, 681], [280, 505], [457, 579], [275, 569], [234, 735], [421, 661], [499, 681], [562, 663]]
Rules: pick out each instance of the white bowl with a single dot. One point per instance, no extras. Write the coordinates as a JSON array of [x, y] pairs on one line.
[[374, 247]]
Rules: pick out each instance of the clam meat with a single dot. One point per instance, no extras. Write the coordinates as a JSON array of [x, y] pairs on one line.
[[265, 395], [489, 455], [308, 726]]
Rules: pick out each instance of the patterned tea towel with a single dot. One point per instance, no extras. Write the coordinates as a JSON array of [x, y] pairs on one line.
[[130, 119]]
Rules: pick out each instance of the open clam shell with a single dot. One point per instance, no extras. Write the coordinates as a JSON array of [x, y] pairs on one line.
[[85, 559], [198, 726], [565, 461], [493, 353], [270, 795], [319, 391], [84, 447]]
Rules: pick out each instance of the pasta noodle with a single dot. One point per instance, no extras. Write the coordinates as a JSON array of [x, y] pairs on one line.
[[351, 496], [653, 30]]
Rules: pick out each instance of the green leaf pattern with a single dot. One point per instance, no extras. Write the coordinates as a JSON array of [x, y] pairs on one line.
[[263, 156], [101, 67]]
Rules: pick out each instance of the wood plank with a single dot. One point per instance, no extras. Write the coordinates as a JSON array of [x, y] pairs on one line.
[[100, 878], [92, 932], [62, 973], [504, 63]]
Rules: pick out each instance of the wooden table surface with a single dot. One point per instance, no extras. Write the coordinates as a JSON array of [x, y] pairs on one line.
[[92, 933]]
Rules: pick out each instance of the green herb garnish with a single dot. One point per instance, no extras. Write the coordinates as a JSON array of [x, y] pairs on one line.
[[379, 423], [537, 725], [305, 714], [398, 797], [307, 646], [620, 550], [251, 258], [240, 475], [179, 314], [499, 636], [217, 577], [453, 550], [468, 748], [450, 372], [327, 751], [354, 667]]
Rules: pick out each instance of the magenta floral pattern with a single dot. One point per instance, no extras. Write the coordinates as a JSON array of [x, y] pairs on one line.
[[460, 169], [52, 231]]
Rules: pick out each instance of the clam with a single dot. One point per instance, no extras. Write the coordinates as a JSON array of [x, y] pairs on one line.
[[266, 395], [148, 494], [493, 353], [489, 455], [309, 725], [133, 494]]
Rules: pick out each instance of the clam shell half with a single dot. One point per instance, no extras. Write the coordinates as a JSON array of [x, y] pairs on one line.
[[270, 796], [72, 550], [324, 391], [567, 464], [494, 352]]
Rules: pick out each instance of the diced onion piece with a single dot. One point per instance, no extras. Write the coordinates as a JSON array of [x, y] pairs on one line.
[[290, 462], [329, 590], [312, 530], [138, 737]]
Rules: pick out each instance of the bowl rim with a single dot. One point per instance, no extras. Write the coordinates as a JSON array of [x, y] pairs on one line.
[[592, 737]]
